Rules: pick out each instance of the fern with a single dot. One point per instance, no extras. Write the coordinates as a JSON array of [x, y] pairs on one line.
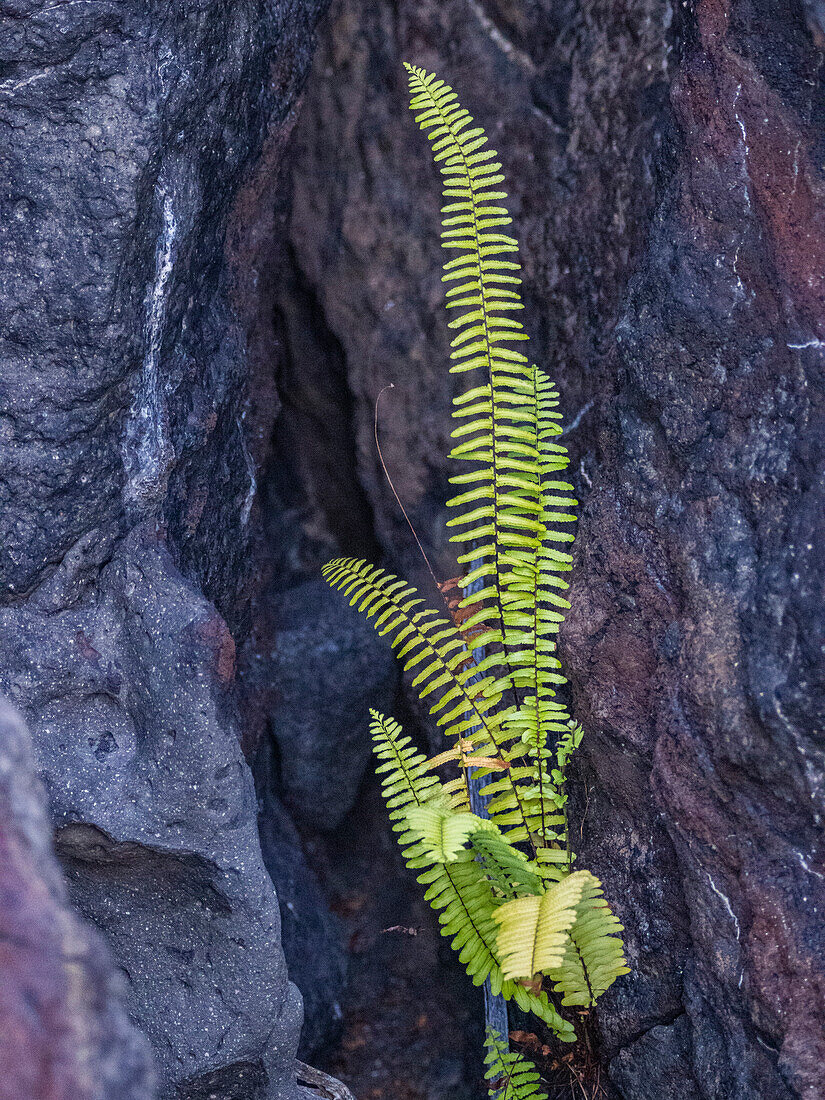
[[459, 891], [534, 930], [593, 956], [504, 889], [511, 1076]]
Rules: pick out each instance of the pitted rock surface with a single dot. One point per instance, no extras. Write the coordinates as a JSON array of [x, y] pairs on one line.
[[64, 1033], [141, 147]]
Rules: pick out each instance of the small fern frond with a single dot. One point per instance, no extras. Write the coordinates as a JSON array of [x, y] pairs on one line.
[[593, 956], [406, 783], [533, 930], [510, 872], [511, 1076], [443, 831]]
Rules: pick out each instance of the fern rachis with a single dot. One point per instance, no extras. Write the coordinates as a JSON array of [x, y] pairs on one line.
[[504, 889]]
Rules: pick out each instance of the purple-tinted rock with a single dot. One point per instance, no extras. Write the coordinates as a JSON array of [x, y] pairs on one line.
[[64, 1033]]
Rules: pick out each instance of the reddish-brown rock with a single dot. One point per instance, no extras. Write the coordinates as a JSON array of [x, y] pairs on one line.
[[665, 170]]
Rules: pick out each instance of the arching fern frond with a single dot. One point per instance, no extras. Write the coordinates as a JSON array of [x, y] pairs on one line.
[[511, 1076], [466, 702], [593, 956], [425, 642]]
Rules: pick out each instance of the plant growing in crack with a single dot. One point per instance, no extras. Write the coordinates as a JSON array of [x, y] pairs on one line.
[[499, 868]]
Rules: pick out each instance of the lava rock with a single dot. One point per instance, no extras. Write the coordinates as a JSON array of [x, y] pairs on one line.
[[664, 166], [138, 178], [645, 1067], [329, 668], [698, 620], [64, 1032], [155, 810], [312, 937]]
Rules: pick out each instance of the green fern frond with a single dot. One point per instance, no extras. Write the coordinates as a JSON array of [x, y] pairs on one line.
[[511, 504], [511, 1075], [510, 872], [466, 701], [533, 930], [593, 956], [443, 831], [426, 642], [406, 783], [460, 891]]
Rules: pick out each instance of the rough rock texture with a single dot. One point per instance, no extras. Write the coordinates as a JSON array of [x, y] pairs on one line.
[[697, 639], [329, 668], [665, 171], [64, 1034], [125, 676], [141, 143], [311, 935]]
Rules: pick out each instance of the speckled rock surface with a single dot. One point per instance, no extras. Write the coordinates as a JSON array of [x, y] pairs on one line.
[[140, 155], [330, 667], [665, 167], [64, 1034], [128, 693], [699, 623]]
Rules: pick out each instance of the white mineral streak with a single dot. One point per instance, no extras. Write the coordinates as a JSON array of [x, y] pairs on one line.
[[148, 450]]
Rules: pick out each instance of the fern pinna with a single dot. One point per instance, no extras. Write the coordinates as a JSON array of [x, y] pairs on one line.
[[504, 887]]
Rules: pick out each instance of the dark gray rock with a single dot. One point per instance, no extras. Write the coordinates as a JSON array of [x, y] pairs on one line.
[[312, 937], [328, 668], [648, 1066], [64, 1033], [128, 693], [140, 163]]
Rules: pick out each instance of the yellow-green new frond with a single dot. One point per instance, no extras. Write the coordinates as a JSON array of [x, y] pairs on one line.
[[463, 897], [484, 268], [511, 1076], [593, 956], [533, 930]]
